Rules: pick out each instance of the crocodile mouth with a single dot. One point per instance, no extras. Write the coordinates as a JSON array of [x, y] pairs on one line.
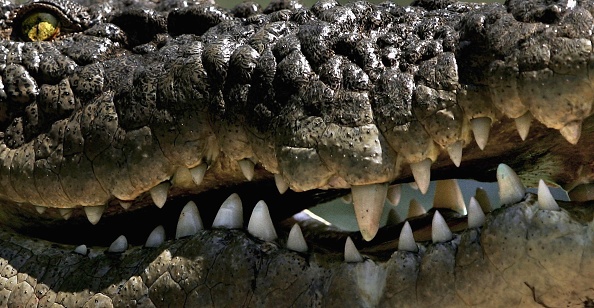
[[129, 130]]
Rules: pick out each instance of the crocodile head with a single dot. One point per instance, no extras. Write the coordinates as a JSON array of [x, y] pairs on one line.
[[110, 108]]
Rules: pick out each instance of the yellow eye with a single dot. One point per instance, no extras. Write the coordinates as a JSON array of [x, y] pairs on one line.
[[40, 26]]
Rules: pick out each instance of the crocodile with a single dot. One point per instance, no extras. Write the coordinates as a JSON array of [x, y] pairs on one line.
[[108, 108]]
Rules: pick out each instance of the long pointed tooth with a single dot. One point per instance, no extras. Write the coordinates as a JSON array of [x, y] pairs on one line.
[[119, 245], [440, 232], [415, 209], [455, 152], [351, 254], [260, 224], [572, 131], [393, 217], [198, 173], [247, 168], [394, 194], [281, 184], [422, 173], [481, 128], [368, 202], [296, 241], [449, 196], [40, 209], [189, 222], [482, 197], [545, 198], [230, 215], [476, 216], [511, 189], [156, 238], [406, 241], [125, 204], [81, 250], [523, 125], [159, 194], [65, 213], [94, 213]]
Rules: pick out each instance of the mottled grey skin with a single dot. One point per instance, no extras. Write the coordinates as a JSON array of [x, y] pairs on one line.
[[327, 97]]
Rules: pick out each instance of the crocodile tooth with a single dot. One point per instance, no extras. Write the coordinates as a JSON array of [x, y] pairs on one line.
[[393, 217], [296, 241], [348, 199], [81, 250], [159, 194], [189, 222], [455, 152], [476, 216], [198, 173], [545, 198], [480, 129], [65, 213], [406, 241], [351, 254], [230, 215], [415, 209], [125, 204], [260, 224], [572, 131], [422, 173], [40, 209], [156, 238], [281, 184], [584, 192], [368, 202], [449, 196], [511, 189], [482, 197], [394, 194], [119, 245], [440, 232], [94, 213], [523, 124], [247, 168]]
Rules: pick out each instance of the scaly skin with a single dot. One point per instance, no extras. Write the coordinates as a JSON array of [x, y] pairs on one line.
[[327, 98]]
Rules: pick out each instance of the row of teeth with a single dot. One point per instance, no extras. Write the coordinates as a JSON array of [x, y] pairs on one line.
[[230, 216]]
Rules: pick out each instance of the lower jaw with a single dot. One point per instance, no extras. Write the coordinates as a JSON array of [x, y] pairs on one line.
[[522, 255]]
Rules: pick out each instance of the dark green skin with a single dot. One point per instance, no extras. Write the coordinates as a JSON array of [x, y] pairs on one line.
[[327, 97]]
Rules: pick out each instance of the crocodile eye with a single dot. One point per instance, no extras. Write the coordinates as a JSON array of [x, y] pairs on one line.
[[40, 26]]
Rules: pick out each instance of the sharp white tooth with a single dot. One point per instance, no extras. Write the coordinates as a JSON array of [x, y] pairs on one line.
[[422, 173], [230, 215], [40, 209], [260, 224], [281, 184], [198, 173], [368, 202], [296, 241], [156, 238], [476, 216], [545, 198], [572, 131], [247, 168], [483, 199], [394, 194], [406, 242], [348, 199], [455, 152], [119, 245], [393, 217], [449, 196], [511, 189], [481, 128], [125, 204], [189, 222], [81, 250], [159, 194], [415, 209], [351, 254], [94, 213], [65, 213], [523, 125], [440, 232]]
